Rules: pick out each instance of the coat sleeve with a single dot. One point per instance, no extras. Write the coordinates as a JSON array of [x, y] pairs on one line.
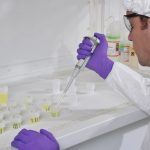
[[131, 84]]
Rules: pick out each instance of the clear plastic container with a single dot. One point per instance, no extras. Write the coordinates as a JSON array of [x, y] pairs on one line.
[[55, 110], [56, 100], [69, 100], [45, 105], [55, 86], [86, 88], [16, 121], [33, 117], [2, 127], [2, 124], [31, 114], [3, 94]]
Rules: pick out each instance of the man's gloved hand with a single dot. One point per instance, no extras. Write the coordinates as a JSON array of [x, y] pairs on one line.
[[99, 62], [32, 140]]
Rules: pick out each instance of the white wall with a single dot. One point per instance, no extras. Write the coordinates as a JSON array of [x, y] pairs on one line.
[[34, 29], [47, 31], [38, 30]]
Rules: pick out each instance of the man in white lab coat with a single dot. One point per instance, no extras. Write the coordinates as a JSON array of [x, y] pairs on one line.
[[118, 76]]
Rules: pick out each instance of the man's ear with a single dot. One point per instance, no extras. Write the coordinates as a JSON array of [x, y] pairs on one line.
[[145, 23]]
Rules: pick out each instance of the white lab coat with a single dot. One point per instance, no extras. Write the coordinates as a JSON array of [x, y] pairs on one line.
[[135, 87]]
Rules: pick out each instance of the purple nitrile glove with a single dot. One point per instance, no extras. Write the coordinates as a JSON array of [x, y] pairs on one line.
[[32, 140], [99, 62]]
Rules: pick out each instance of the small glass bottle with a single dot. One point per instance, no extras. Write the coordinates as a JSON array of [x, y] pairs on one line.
[[2, 127], [45, 105], [16, 122], [2, 124], [124, 53], [55, 111], [113, 39], [56, 100], [33, 116], [113, 47], [3, 94]]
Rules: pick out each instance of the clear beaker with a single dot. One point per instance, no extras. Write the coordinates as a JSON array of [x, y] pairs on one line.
[[55, 106]]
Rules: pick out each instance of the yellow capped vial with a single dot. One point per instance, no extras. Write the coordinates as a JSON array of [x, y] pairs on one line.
[[55, 111], [2, 127], [3, 95]]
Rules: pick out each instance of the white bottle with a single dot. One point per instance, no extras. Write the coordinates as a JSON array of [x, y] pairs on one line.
[[113, 39], [124, 53]]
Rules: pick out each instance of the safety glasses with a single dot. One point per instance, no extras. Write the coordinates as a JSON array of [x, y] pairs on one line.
[[127, 18]]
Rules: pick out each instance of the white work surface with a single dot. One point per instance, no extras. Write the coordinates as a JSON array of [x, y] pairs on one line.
[[70, 133], [94, 115], [39, 37]]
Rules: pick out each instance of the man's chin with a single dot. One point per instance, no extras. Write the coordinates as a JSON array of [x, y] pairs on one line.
[[144, 64]]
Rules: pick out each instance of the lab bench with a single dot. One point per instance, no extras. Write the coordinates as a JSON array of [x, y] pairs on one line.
[[104, 120], [41, 37]]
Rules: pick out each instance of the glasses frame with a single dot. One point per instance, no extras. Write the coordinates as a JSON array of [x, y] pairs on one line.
[[127, 17], [135, 15]]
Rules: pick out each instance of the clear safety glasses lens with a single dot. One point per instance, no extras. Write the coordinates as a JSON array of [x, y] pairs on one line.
[[127, 18], [127, 23]]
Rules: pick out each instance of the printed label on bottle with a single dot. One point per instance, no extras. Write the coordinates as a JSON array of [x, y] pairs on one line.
[[113, 48], [125, 53]]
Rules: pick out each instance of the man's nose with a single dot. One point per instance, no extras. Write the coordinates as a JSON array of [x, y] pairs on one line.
[[130, 36]]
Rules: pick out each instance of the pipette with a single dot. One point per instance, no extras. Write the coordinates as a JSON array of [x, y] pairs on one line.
[[80, 66]]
